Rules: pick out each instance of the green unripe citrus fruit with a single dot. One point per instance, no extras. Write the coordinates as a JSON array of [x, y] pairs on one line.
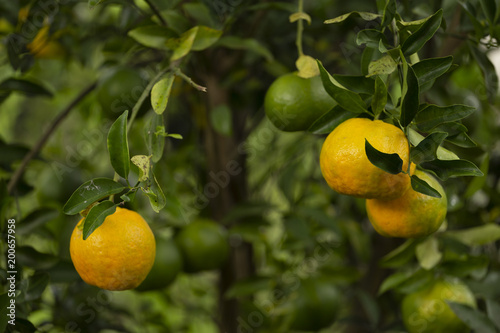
[[426, 310], [316, 305], [293, 103], [168, 263], [204, 246]]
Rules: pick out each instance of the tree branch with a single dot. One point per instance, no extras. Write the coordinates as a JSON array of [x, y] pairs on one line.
[[39, 145], [156, 11]]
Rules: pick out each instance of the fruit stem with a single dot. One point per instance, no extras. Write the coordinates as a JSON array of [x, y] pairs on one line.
[[300, 28]]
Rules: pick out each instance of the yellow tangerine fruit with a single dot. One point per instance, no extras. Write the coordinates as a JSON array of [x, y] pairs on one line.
[[412, 215], [118, 255], [346, 167]]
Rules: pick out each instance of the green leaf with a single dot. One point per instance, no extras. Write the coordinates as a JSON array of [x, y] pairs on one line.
[[299, 16], [452, 128], [488, 70], [371, 37], [143, 162], [118, 146], [428, 254], [451, 168], [347, 99], [415, 41], [37, 283], [379, 99], [475, 319], [155, 194], [443, 154], [24, 86], [200, 12], [415, 282], [390, 163], [221, 119], [427, 148], [482, 235], [96, 216], [154, 142], [161, 92], [428, 70], [176, 21], [461, 140], [364, 15], [423, 187], [153, 36], [409, 108], [477, 183], [205, 37], [433, 115], [489, 9], [36, 219], [90, 192], [383, 66], [197, 39], [493, 309], [366, 58], [466, 265], [399, 256], [249, 44], [393, 281], [183, 44], [358, 84], [390, 11]]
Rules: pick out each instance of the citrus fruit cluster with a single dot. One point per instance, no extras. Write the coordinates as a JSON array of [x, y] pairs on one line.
[[123, 254], [393, 207]]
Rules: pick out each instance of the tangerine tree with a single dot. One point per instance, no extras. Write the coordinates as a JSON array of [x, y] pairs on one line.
[[305, 166]]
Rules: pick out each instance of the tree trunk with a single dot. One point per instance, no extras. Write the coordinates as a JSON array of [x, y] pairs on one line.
[[226, 167]]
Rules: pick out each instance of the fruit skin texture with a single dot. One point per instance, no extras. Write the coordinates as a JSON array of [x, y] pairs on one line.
[[426, 311], [412, 215], [203, 245], [316, 305], [346, 167], [168, 264], [118, 255], [293, 103], [119, 89]]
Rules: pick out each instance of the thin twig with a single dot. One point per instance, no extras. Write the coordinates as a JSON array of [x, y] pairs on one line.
[[186, 78], [39, 145], [156, 11], [300, 29]]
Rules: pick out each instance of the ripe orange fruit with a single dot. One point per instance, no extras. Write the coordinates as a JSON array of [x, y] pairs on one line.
[[346, 167], [316, 304], [118, 255], [412, 215], [426, 310], [168, 263], [293, 103], [203, 245]]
